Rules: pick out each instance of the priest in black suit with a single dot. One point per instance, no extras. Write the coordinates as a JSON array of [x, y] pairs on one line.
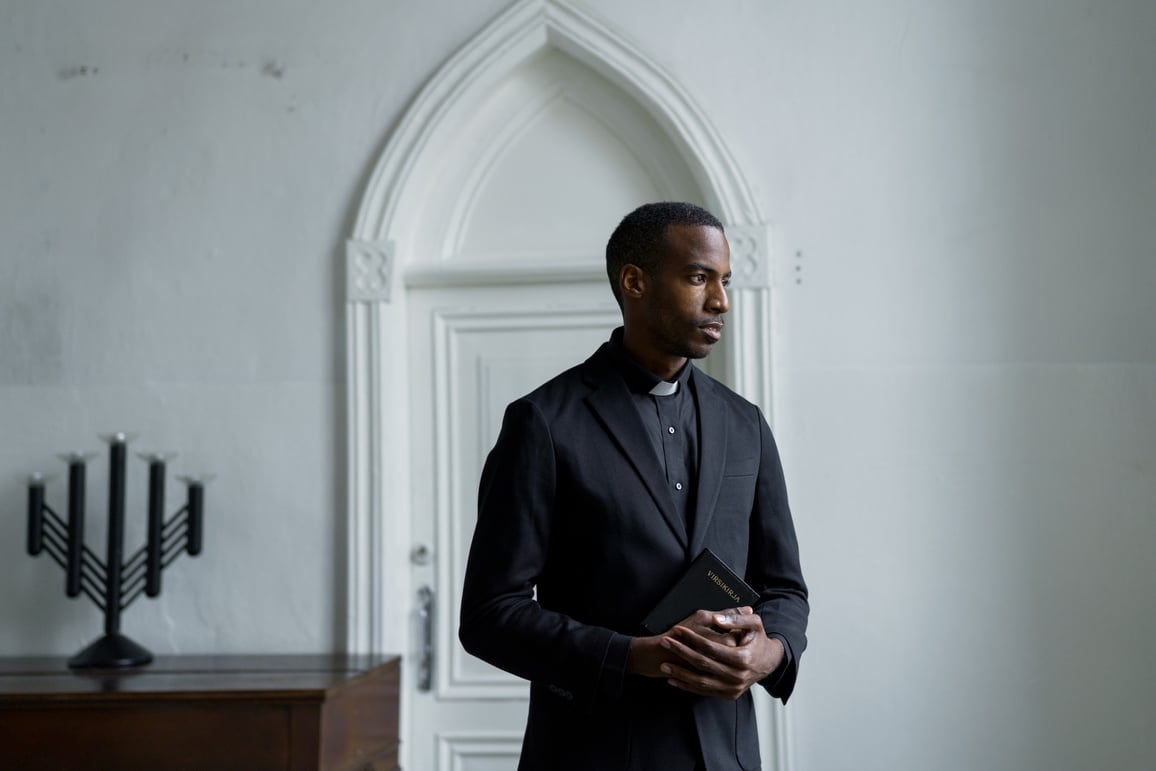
[[604, 483]]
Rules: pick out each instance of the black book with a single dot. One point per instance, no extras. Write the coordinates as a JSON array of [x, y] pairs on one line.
[[708, 584]]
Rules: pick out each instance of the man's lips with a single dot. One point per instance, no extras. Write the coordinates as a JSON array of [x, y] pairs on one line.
[[712, 329]]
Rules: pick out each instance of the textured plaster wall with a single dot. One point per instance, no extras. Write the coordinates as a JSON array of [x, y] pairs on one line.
[[178, 181]]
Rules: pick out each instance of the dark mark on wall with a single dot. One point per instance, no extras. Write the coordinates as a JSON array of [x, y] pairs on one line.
[[79, 71], [270, 68]]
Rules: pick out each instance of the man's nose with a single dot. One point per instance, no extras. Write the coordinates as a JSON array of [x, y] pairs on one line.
[[718, 301]]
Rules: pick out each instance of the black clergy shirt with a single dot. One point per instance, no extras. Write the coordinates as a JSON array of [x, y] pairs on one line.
[[670, 415]]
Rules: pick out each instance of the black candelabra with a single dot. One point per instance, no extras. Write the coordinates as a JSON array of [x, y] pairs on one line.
[[114, 583]]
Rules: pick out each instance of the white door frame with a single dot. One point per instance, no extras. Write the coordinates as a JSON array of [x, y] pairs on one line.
[[385, 254]]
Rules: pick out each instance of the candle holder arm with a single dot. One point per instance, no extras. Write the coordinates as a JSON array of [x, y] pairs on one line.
[[133, 591], [135, 564], [90, 564], [57, 549], [176, 536]]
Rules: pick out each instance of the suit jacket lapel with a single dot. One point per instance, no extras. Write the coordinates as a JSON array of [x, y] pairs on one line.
[[611, 402], [712, 455]]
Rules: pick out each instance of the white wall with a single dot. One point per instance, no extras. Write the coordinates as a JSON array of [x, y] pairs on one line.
[[178, 182], [966, 374]]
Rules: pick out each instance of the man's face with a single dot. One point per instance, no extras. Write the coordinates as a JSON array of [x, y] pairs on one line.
[[687, 297]]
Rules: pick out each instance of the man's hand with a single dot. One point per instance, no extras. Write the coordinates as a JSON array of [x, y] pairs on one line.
[[648, 654], [718, 654]]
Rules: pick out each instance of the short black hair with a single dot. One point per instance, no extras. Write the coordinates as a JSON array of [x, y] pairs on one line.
[[639, 238]]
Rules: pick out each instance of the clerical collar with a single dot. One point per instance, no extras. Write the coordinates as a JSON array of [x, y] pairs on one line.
[[638, 378]]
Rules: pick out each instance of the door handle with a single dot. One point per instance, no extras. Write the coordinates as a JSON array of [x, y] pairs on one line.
[[425, 663]]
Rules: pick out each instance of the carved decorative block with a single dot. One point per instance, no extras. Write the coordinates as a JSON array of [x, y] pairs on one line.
[[750, 256], [369, 270]]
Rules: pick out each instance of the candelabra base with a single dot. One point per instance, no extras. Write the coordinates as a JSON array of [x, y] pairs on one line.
[[113, 651]]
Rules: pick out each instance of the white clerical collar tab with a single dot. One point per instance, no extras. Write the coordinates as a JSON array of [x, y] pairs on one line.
[[664, 388]]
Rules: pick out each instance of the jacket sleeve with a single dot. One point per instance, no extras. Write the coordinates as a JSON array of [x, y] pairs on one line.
[[773, 566], [501, 621]]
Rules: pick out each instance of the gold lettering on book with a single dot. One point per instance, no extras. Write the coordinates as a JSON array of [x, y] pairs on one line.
[[713, 576]]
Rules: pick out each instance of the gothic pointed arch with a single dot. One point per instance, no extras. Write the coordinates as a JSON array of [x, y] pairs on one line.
[[546, 86]]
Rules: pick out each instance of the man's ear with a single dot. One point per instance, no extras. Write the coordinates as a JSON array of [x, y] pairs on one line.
[[632, 279]]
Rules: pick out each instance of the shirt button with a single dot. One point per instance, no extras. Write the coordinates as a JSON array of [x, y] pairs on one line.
[[671, 429], [678, 485]]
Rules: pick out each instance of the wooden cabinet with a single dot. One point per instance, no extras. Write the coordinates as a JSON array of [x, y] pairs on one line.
[[334, 713]]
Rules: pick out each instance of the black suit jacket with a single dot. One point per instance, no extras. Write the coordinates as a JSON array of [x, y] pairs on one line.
[[573, 506]]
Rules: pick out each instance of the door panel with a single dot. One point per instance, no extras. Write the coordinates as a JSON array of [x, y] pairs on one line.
[[474, 350]]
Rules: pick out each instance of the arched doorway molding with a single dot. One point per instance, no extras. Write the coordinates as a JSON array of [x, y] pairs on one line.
[[391, 248]]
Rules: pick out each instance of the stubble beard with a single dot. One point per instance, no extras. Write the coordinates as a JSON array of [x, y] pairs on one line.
[[681, 346]]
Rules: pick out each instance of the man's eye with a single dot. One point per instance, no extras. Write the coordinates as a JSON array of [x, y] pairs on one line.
[[726, 282], [698, 278]]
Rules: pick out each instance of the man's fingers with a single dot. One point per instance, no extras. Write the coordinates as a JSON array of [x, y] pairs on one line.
[[735, 627], [743, 619], [705, 656], [702, 623], [713, 644], [702, 683]]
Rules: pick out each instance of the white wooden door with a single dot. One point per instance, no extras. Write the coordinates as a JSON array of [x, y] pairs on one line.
[[472, 351]]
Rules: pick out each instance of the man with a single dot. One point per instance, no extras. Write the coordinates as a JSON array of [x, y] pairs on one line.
[[604, 484]]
